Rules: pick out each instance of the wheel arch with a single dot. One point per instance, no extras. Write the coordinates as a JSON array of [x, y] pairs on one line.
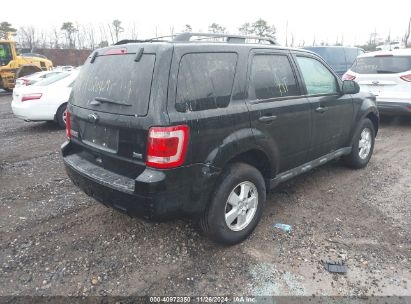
[[241, 146], [256, 158], [374, 119]]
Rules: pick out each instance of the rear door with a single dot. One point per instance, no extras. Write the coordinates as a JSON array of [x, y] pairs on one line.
[[118, 95], [277, 108], [332, 112]]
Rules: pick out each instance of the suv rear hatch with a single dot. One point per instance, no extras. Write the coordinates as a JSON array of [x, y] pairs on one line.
[[386, 76], [109, 106]]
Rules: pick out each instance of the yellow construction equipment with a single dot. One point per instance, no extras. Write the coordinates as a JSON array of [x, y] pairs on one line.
[[13, 66]]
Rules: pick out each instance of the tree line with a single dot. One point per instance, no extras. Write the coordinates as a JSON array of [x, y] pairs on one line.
[[74, 35]]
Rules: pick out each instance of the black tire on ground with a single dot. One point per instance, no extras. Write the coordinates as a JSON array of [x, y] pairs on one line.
[[60, 116], [213, 222], [354, 160]]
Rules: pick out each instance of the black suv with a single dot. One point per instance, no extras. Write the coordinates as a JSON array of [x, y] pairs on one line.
[[205, 128]]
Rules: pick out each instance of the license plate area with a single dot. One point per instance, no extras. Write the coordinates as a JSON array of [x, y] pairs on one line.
[[101, 137], [375, 89]]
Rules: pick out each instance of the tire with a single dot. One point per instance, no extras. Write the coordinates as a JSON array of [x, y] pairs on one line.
[[61, 116], [235, 178], [361, 154]]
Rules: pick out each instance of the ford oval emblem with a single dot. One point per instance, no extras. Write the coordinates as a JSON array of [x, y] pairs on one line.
[[93, 117]]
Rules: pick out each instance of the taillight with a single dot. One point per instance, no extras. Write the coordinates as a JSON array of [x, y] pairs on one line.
[[68, 125], [347, 76], [32, 96], [166, 146], [406, 78]]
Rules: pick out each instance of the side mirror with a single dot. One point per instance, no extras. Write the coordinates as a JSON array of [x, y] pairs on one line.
[[350, 87]]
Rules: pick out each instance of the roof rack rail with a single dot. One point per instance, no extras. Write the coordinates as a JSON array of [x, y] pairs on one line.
[[229, 37], [156, 39]]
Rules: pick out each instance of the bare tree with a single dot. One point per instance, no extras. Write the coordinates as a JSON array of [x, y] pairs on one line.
[[103, 33], [172, 30], [407, 34], [56, 38], [28, 37], [134, 32], [292, 39], [110, 30], [42, 39], [117, 29], [90, 36]]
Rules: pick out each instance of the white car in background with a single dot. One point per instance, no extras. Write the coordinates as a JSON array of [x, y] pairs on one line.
[[45, 100], [36, 77], [387, 75]]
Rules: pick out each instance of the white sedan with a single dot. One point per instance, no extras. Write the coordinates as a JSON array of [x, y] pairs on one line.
[[36, 77], [45, 100]]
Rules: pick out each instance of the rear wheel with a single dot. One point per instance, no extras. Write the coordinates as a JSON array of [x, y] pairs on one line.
[[237, 205], [363, 145], [61, 116]]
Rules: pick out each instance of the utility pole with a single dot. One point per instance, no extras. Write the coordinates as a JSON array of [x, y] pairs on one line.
[[286, 33]]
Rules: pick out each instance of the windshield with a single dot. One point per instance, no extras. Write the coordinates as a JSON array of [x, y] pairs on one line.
[[52, 79], [5, 54], [382, 64]]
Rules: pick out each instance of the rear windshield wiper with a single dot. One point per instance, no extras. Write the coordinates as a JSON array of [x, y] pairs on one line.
[[385, 72], [107, 100]]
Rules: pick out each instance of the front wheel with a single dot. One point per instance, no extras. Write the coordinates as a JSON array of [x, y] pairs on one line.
[[237, 205], [363, 145]]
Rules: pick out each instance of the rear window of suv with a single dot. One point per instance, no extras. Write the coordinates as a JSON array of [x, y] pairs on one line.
[[126, 84], [382, 64]]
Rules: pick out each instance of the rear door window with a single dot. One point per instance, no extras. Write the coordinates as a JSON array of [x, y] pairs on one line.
[[205, 81], [123, 83], [271, 77], [318, 79], [382, 65]]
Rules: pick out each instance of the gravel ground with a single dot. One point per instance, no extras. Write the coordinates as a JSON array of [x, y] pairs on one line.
[[54, 240]]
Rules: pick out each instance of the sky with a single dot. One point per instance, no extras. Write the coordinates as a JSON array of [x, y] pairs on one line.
[[327, 21]]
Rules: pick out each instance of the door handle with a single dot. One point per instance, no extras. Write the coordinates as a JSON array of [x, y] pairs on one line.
[[321, 109], [267, 119]]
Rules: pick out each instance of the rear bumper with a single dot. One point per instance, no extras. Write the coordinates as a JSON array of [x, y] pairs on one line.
[[153, 194], [394, 108], [30, 111]]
